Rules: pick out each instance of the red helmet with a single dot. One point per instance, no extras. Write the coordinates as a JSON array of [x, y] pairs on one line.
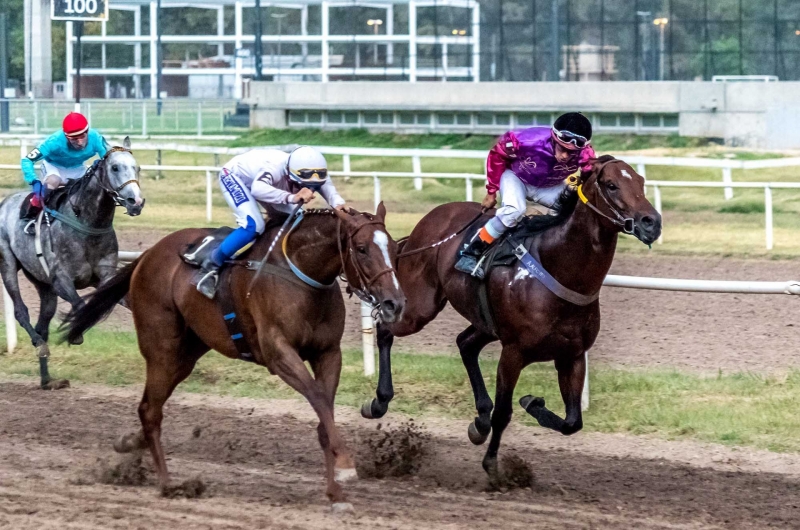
[[75, 124]]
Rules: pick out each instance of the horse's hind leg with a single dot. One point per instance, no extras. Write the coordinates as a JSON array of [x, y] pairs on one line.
[[571, 372], [170, 359], [508, 371], [9, 267], [470, 343], [338, 461]]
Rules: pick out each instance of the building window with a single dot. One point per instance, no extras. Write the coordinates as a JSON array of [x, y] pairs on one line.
[[406, 118], [485, 119], [446, 119], [351, 117], [297, 117], [671, 120], [371, 118], [627, 120], [334, 118], [423, 119], [651, 120], [526, 120], [464, 119]]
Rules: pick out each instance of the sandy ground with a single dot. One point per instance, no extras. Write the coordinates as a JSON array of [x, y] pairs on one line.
[[262, 468]]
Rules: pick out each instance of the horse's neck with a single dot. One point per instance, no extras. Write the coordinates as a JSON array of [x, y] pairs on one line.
[[314, 249], [92, 204], [579, 252]]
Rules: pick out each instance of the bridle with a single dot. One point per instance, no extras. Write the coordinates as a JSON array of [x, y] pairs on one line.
[[365, 283], [628, 224], [105, 184]]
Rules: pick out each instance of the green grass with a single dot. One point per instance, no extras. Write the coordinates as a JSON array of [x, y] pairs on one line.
[[733, 409]]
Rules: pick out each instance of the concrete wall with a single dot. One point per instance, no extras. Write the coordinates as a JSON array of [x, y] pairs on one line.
[[38, 48], [743, 113]]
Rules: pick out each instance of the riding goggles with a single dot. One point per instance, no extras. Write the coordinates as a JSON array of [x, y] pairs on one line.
[[570, 140], [310, 178]]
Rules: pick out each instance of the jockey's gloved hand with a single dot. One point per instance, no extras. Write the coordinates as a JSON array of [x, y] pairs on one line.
[[38, 188], [304, 196]]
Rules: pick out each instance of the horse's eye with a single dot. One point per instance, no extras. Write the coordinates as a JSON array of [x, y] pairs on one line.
[[115, 167], [611, 186], [361, 250]]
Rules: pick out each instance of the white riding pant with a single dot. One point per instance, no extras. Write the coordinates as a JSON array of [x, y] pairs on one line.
[[240, 200], [514, 196], [63, 174]]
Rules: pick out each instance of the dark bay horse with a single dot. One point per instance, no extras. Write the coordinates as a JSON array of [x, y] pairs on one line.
[[79, 249], [532, 324], [285, 322]]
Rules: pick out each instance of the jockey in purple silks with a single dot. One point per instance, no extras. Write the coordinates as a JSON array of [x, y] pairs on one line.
[[534, 163]]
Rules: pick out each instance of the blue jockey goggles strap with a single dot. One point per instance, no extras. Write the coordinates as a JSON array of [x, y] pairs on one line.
[[538, 271], [567, 137]]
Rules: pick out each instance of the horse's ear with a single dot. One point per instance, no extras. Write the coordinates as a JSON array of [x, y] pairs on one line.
[[381, 212], [126, 143]]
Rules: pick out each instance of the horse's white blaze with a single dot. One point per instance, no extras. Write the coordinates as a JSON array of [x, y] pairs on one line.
[[626, 174], [382, 240]]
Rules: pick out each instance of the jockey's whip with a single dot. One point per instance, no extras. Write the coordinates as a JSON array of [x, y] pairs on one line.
[[271, 246]]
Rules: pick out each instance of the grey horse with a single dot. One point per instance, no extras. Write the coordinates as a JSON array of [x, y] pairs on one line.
[[78, 244]]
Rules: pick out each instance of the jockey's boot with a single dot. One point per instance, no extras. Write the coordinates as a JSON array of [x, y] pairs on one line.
[[209, 278], [469, 260], [31, 208]]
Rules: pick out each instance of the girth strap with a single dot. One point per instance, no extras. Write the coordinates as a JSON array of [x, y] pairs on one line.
[[232, 320]]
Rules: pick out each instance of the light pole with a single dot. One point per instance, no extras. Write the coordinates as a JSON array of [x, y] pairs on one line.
[[278, 17], [375, 23], [662, 24]]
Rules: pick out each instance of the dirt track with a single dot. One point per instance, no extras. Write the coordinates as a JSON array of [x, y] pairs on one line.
[[262, 467]]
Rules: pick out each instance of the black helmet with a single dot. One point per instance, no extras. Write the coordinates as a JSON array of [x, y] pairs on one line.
[[573, 127]]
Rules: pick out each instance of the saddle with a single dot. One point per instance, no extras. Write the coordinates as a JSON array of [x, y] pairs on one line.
[[55, 199]]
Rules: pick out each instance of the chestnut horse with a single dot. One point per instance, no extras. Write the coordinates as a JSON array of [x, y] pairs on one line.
[[285, 322], [532, 324]]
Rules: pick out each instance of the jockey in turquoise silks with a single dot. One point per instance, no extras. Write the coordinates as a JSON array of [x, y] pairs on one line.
[[63, 155]]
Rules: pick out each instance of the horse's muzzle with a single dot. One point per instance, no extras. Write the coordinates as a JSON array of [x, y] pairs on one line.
[[648, 228], [133, 209], [392, 309]]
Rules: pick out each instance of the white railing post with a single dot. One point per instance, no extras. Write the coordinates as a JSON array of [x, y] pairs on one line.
[[768, 215], [585, 393], [367, 340], [640, 168], [346, 166], [377, 185], [23, 149], [199, 119], [416, 167], [657, 198], [469, 189], [727, 179], [11, 323], [208, 196]]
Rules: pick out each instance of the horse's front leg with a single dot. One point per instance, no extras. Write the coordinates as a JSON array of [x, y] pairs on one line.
[[377, 407], [470, 343], [571, 372], [64, 287]]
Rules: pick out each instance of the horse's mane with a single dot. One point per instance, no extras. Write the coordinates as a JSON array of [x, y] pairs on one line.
[[536, 224]]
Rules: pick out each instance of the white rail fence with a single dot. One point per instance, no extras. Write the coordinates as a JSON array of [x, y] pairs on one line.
[[632, 282]]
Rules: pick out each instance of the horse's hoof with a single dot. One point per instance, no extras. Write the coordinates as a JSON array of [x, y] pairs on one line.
[[475, 435], [342, 507], [343, 476], [76, 342], [528, 402], [55, 384], [128, 443], [368, 410]]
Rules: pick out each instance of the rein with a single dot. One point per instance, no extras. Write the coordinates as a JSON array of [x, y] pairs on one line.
[[442, 241], [628, 224]]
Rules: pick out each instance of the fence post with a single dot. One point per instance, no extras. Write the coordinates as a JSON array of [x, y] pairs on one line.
[[416, 165], [727, 179], [208, 195], [346, 166], [367, 340], [23, 149], [11, 323], [199, 119], [144, 118], [585, 393], [158, 163], [469, 189], [768, 215], [657, 198], [377, 185], [640, 168]]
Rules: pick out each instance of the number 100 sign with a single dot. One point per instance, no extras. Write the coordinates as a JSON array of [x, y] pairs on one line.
[[79, 10]]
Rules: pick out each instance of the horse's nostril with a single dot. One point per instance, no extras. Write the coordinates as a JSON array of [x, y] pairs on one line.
[[647, 221], [130, 200], [389, 306]]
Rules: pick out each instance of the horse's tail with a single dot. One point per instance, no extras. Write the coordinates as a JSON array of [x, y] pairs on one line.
[[98, 305]]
